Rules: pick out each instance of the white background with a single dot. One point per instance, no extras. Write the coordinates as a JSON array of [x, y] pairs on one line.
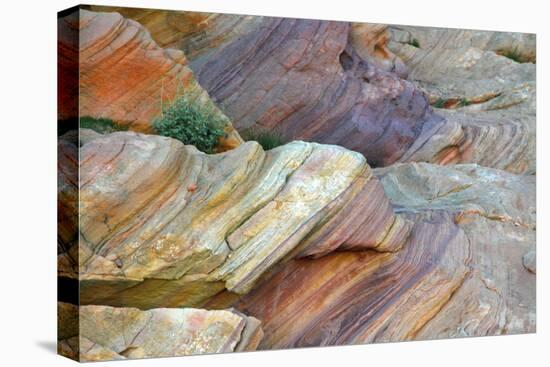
[[28, 182]]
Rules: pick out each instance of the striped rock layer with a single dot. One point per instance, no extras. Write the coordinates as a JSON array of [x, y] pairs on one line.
[[96, 333], [497, 211], [164, 225], [123, 75], [276, 235], [483, 81], [305, 238], [340, 83], [302, 78], [67, 205], [359, 297], [462, 272]]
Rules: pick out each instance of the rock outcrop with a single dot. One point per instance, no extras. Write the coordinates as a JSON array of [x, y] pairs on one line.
[[123, 75], [195, 33], [67, 206], [162, 224], [171, 251], [459, 274], [340, 83], [370, 42], [359, 297], [497, 212], [232, 230], [482, 81], [315, 87], [107, 333], [304, 79]]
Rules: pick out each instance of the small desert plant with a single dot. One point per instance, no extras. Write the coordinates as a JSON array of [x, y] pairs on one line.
[[100, 125], [512, 54], [450, 103], [464, 102], [414, 42], [440, 103], [267, 139], [191, 123]]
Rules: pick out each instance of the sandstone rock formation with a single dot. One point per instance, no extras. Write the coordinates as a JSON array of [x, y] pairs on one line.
[[340, 83], [314, 87], [67, 206], [359, 297], [193, 32], [162, 224], [370, 42], [123, 75], [491, 96], [302, 78], [460, 273], [497, 212], [205, 229], [171, 251], [106, 333], [67, 68]]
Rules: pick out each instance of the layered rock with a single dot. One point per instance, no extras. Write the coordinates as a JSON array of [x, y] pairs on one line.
[[370, 42], [67, 206], [340, 83], [497, 211], [468, 188], [460, 273], [269, 233], [195, 33], [124, 75], [485, 81], [67, 69], [107, 333], [358, 297], [305, 237], [302, 78], [162, 224]]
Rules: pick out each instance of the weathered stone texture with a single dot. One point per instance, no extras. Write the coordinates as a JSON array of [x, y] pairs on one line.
[[159, 219], [106, 333], [125, 76]]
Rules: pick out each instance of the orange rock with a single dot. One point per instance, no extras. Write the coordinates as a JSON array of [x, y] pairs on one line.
[[124, 75]]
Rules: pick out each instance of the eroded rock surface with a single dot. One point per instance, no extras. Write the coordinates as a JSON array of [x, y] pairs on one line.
[[124, 75], [497, 212], [67, 206], [347, 84], [107, 333], [306, 237], [359, 297], [162, 224], [460, 272], [303, 78], [486, 83], [340, 83], [370, 42]]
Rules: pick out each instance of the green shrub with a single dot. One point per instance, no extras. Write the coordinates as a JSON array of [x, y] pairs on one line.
[[512, 54], [414, 42], [190, 124], [267, 139], [100, 125], [464, 102], [440, 103]]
